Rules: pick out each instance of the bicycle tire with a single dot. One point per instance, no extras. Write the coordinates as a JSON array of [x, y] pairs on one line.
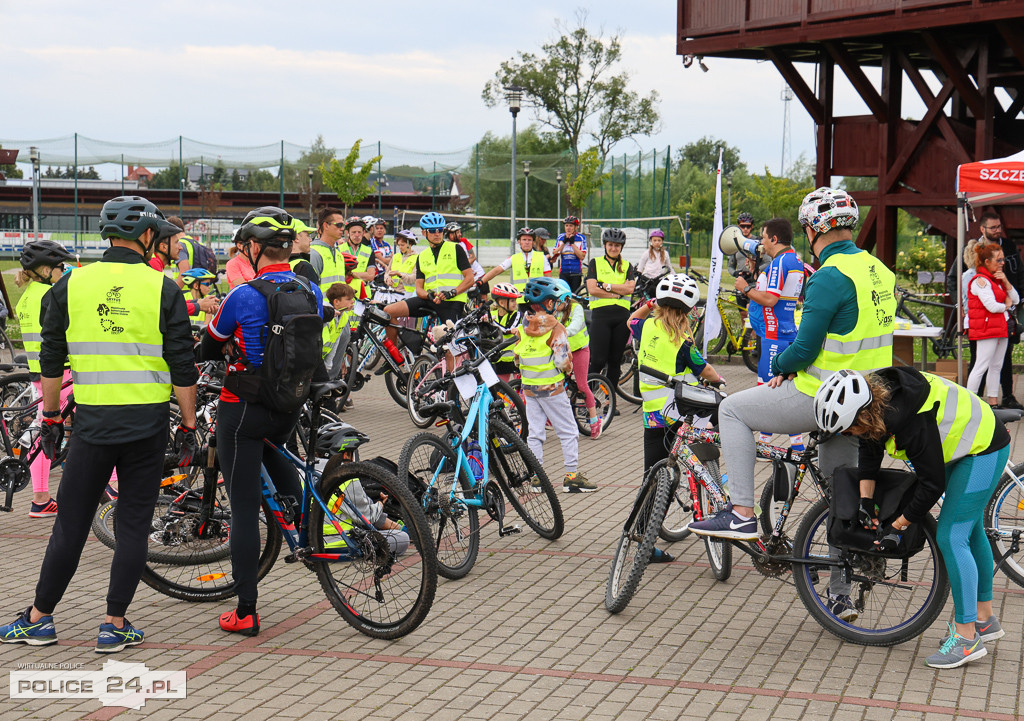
[[678, 512], [405, 586], [751, 349], [640, 534], [514, 407], [398, 385], [191, 580], [1003, 514], [351, 374], [16, 390], [422, 370], [455, 532], [6, 348], [516, 469], [719, 553], [628, 387], [915, 589], [604, 399]]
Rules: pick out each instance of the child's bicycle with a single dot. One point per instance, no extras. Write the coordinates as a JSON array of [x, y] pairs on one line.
[[377, 588], [452, 474]]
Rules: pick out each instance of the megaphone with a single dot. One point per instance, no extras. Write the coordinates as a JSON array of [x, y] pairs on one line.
[[732, 241]]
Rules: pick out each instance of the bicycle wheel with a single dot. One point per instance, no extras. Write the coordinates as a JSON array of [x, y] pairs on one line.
[[7, 350], [719, 552], [196, 574], [16, 390], [378, 591], [423, 369], [513, 407], [751, 349], [678, 512], [604, 400], [896, 599], [1003, 516], [636, 546], [454, 526], [517, 470], [628, 387], [398, 383]]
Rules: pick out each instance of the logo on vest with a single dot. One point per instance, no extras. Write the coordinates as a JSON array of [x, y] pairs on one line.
[[114, 294], [882, 317]]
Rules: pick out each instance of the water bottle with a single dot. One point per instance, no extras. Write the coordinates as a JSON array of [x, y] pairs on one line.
[[476, 459], [396, 355]]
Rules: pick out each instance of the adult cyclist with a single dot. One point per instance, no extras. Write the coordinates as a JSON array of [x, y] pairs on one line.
[[522, 266], [610, 283], [571, 249]]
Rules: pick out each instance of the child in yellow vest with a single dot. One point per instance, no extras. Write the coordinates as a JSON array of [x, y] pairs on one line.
[[337, 330], [543, 356]]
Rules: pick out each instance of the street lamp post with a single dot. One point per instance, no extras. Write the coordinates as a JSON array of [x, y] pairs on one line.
[[526, 174], [33, 155], [514, 95], [558, 179], [622, 206], [728, 182], [310, 169]]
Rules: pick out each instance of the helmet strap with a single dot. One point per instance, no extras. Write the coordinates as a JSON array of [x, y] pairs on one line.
[[248, 255]]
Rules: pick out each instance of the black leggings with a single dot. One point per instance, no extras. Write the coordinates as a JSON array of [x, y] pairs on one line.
[[609, 333], [139, 466], [573, 279], [241, 428], [654, 447]]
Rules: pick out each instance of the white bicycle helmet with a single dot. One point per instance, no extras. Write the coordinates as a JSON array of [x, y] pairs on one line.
[[505, 290], [839, 399], [678, 291], [827, 208]]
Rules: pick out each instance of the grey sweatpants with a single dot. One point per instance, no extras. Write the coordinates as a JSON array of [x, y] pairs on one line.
[[558, 410], [774, 410]]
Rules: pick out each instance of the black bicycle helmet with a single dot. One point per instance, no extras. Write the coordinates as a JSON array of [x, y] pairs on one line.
[[527, 232], [268, 225], [129, 216], [613, 235], [745, 218], [571, 220], [43, 252], [336, 437]]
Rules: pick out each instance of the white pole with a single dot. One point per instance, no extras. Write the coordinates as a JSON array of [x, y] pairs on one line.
[[961, 234]]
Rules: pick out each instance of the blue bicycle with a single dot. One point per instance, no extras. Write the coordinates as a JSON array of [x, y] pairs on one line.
[[380, 575], [451, 476]]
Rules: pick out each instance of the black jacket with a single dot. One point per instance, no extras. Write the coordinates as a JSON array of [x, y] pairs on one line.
[[112, 425]]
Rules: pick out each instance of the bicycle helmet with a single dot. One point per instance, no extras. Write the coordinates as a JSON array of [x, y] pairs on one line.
[[432, 221], [656, 233], [827, 208], [452, 227], [745, 218], [196, 275], [564, 291], [613, 235], [539, 290], [839, 399], [355, 220], [527, 232], [380, 221], [571, 220], [541, 233], [43, 252], [337, 437], [268, 225], [677, 291], [407, 235], [505, 290], [350, 261], [129, 216]]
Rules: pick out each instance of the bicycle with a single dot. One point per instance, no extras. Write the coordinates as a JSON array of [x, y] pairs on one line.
[[8, 353], [743, 341], [604, 400], [454, 484], [379, 592], [945, 345], [896, 598]]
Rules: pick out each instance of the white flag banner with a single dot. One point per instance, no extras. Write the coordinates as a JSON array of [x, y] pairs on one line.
[[712, 320]]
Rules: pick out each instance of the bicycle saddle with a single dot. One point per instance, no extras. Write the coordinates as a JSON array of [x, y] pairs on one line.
[[319, 390], [1008, 415]]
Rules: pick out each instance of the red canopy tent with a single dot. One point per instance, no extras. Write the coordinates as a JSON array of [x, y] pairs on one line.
[[986, 182]]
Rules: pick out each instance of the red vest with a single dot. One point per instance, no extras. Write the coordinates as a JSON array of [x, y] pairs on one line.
[[982, 323]]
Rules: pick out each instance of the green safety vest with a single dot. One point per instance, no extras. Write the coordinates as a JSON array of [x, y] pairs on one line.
[[966, 423], [28, 317], [581, 338], [363, 255], [404, 264], [187, 241], [333, 270], [508, 355], [519, 272], [605, 274], [868, 346], [114, 339], [537, 361], [333, 330], [444, 274], [658, 351]]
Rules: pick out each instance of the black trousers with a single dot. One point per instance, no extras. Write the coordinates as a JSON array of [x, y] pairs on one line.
[[573, 279], [609, 333], [139, 466], [654, 447], [241, 428]]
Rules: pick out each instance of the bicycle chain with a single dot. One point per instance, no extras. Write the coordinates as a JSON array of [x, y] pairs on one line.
[[773, 569]]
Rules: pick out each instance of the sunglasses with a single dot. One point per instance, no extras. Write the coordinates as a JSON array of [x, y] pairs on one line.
[[206, 283], [1000, 260], [340, 225], [746, 225]]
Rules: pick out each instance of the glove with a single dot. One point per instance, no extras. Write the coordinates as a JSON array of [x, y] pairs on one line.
[[889, 539], [186, 445], [51, 437], [449, 294], [867, 516]]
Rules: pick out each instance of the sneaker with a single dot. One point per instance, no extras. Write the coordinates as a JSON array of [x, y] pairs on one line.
[[1012, 403], [576, 482], [842, 608], [595, 429], [660, 556], [535, 485], [248, 626], [113, 639], [990, 630], [43, 510], [956, 650], [21, 630], [726, 524]]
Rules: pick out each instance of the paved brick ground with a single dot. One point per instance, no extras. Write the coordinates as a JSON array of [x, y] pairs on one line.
[[524, 636]]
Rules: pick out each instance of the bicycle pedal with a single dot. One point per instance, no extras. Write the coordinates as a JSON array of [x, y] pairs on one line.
[[509, 531]]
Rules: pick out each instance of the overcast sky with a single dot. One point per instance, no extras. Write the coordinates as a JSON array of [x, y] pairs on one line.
[[251, 73]]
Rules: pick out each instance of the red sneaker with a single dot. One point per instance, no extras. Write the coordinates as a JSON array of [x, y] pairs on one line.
[[43, 510], [248, 626]]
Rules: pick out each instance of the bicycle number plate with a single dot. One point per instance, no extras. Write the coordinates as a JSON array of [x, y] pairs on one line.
[[467, 384]]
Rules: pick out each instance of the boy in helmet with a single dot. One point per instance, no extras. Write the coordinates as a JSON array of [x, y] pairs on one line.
[[543, 357]]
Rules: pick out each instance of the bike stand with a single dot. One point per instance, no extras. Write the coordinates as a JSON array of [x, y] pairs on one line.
[[1014, 548]]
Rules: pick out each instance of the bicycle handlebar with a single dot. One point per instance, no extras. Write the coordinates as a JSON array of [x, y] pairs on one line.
[[667, 379]]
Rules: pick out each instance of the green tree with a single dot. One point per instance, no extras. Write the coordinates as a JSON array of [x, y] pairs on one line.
[[347, 182], [585, 180], [779, 197], [703, 153], [574, 89], [166, 178]]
